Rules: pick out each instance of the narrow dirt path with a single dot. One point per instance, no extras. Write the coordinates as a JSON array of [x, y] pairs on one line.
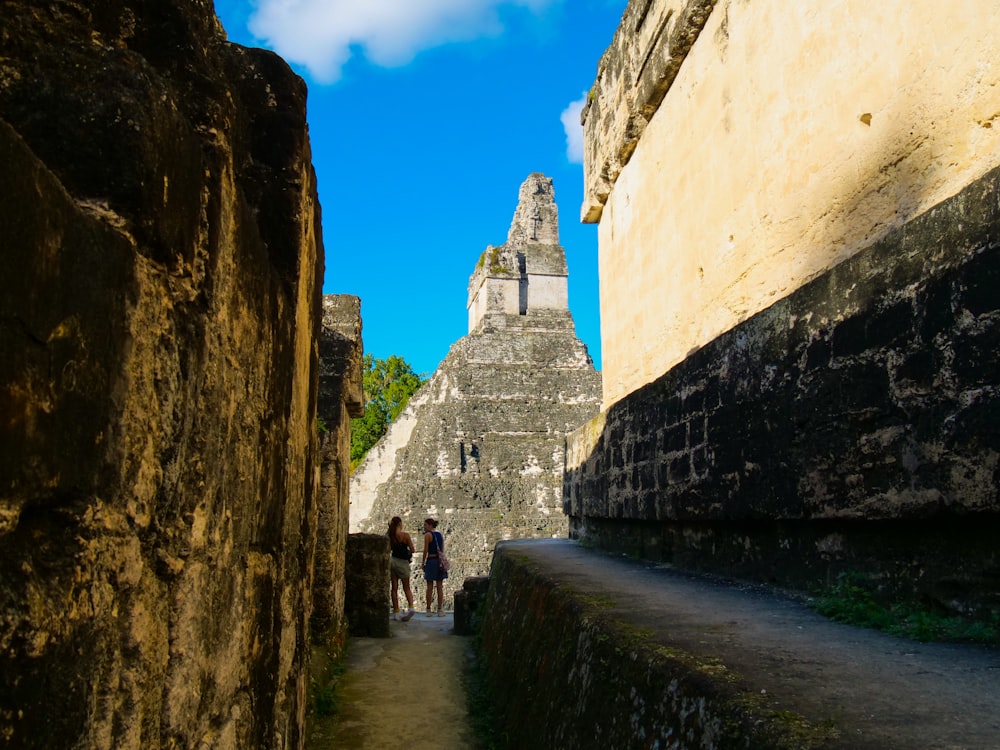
[[405, 691]]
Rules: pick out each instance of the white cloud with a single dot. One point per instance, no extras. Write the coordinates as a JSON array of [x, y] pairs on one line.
[[574, 130], [322, 35]]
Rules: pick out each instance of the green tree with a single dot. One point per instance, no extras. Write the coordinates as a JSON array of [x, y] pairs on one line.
[[388, 385]]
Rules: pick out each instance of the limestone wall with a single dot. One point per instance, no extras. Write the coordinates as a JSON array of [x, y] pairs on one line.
[[159, 318], [736, 150], [566, 669], [852, 426], [367, 581], [341, 398], [494, 295], [480, 446], [547, 292]]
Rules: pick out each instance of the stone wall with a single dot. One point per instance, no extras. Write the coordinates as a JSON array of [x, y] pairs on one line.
[[564, 669], [159, 318], [366, 575], [854, 425], [736, 150], [798, 222], [528, 273], [340, 399]]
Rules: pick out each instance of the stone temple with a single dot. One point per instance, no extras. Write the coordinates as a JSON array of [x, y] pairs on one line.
[[481, 446]]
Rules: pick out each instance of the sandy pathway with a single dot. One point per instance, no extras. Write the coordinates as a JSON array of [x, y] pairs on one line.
[[405, 691]]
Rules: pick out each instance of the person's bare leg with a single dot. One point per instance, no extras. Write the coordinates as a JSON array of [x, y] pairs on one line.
[[409, 600], [430, 595], [408, 591], [440, 588], [395, 595]]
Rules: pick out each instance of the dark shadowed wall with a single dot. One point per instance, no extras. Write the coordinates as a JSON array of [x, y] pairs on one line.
[[159, 320]]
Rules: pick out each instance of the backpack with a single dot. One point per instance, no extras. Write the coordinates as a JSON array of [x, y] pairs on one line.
[[443, 561]]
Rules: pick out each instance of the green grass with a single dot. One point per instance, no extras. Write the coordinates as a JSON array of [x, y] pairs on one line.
[[324, 699], [327, 668], [851, 601]]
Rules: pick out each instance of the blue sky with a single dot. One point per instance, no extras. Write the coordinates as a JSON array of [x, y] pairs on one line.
[[425, 117]]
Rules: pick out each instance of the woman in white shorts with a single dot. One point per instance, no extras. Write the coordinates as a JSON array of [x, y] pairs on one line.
[[402, 548]]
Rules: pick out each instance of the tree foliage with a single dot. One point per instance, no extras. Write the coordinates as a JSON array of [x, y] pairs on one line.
[[388, 385]]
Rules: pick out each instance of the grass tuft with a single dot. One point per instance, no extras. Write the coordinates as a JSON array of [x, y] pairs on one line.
[[851, 601]]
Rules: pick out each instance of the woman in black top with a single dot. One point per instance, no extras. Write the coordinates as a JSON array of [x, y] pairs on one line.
[[402, 548]]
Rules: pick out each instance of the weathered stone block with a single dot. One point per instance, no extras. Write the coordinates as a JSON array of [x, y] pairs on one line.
[[468, 604], [159, 316], [367, 574], [340, 399], [726, 173]]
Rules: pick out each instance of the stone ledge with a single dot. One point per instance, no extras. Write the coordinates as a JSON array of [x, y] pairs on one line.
[[590, 651], [633, 76]]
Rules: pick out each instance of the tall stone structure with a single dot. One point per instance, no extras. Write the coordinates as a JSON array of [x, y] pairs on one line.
[[725, 173], [341, 398], [481, 445], [799, 315], [159, 325]]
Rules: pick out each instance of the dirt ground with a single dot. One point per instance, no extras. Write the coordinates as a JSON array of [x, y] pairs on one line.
[[405, 691], [881, 692]]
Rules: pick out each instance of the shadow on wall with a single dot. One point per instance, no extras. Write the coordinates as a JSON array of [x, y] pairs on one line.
[[769, 172], [853, 425]]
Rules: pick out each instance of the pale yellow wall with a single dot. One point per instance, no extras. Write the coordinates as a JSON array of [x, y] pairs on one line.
[[548, 292], [758, 171], [494, 295]]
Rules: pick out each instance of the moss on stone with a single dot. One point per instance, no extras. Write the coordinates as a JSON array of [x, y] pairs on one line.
[[495, 265], [542, 635]]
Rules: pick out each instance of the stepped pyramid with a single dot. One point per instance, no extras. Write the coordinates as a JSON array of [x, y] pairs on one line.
[[481, 445]]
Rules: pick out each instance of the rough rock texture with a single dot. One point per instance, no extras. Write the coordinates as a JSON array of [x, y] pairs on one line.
[[159, 318], [481, 445], [468, 605], [367, 578], [853, 425], [340, 399], [562, 673], [547, 644], [586, 650], [633, 76]]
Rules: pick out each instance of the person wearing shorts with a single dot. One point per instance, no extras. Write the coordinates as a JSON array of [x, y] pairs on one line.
[[401, 552]]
